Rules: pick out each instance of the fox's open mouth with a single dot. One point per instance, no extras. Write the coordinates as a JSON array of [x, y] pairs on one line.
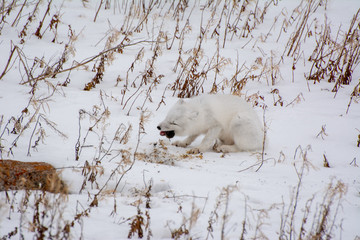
[[168, 134]]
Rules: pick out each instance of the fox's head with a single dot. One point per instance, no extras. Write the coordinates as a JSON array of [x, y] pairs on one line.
[[178, 120]]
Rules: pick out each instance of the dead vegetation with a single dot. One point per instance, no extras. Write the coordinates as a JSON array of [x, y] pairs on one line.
[[197, 69], [318, 224], [334, 60]]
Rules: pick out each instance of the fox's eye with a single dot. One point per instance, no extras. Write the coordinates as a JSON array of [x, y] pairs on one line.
[[173, 123]]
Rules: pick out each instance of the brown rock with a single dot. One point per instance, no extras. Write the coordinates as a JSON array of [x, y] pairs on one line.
[[16, 175]]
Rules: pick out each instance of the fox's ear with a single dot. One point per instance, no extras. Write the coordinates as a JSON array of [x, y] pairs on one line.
[[193, 115], [181, 101]]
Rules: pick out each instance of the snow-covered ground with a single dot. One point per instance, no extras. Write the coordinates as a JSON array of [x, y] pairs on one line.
[[124, 179]]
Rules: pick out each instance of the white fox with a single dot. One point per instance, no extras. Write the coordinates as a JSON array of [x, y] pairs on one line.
[[228, 122]]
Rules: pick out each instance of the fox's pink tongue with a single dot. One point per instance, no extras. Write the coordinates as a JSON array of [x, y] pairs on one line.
[[162, 133]]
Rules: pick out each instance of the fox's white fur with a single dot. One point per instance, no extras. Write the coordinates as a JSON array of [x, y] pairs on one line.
[[228, 123]]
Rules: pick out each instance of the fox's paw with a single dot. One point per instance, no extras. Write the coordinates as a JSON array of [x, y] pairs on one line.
[[222, 149], [194, 151], [217, 148], [226, 148], [180, 144]]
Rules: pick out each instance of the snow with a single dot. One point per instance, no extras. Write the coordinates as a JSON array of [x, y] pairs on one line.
[[187, 192]]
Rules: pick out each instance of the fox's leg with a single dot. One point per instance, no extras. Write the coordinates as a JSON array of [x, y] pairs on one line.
[[246, 135], [209, 140], [227, 148], [186, 142]]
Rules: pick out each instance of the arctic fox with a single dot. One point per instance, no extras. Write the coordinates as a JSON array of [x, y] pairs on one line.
[[228, 122]]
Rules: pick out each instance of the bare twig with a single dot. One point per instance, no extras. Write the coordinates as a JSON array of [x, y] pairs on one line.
[[9, 60], [264, 140], [97, 12]]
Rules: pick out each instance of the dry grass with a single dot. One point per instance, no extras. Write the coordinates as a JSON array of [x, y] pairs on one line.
[[333, 60]]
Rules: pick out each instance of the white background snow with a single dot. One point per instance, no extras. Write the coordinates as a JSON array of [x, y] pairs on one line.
[[206, 196]]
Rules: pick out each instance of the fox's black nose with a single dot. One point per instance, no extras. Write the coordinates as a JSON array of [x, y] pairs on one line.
[[158, 127]]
